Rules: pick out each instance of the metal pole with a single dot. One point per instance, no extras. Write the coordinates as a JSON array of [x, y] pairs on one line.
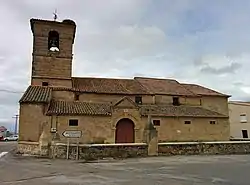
[[16, 120], [77, 149], [68, 149]]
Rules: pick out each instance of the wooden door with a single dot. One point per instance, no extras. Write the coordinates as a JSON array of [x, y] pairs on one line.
[[124, 131]]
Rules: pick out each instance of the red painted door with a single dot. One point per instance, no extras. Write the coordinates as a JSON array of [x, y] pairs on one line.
[[124, 131]]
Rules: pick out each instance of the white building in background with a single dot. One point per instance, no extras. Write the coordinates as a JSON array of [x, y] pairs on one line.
[[239, 116]]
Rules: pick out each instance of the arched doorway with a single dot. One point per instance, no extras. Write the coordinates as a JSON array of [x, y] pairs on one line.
[[124, 131]]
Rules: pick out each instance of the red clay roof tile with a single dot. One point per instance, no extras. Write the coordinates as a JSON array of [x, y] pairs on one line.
[[200, 90], [85, 108], [179, 111], [108, 85], [164, 86], [78, 108], [36, 94]]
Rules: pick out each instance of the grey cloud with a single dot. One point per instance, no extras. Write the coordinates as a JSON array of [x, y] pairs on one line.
[[232, 68], [239, 84], [198, 61]]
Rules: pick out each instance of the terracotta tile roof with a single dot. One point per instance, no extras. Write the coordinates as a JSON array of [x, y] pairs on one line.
[[61, 88], [108, 85], [140, 85], [164, 86], [2, 129], [180, 111], [36, 94], [78, 108], [85, 108], [200, 90]]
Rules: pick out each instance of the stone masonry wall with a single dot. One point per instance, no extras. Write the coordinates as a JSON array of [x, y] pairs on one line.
[[200, 129], [53, 82], [205, 148], [51, 64], [101, 151], [217, 104], [30, 127], [31, 148]]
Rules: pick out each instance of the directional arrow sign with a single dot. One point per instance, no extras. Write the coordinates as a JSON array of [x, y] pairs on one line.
[[72, 133]]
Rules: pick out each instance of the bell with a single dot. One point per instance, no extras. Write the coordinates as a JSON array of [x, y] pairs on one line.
[[53, 46], [54, 49]]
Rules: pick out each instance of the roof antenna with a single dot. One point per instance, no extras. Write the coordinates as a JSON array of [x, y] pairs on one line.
[[55, 15]]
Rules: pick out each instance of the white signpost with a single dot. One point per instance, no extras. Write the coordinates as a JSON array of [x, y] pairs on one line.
[[72, 134]]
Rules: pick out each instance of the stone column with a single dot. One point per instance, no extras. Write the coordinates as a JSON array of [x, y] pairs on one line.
[[43, 144], [153, 143], [151, 138]]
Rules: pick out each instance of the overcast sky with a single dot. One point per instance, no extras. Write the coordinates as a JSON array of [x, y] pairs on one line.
[[195, 41]]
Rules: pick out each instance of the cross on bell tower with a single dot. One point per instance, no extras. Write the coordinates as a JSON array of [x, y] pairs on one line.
[[55, 15]]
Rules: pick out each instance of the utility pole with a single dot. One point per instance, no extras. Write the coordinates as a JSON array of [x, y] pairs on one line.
[[16, 119]]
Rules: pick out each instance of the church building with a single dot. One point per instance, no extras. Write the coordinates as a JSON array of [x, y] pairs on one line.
[[109, 110]]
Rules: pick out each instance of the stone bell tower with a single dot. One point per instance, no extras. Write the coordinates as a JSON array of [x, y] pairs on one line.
[[52, 52]]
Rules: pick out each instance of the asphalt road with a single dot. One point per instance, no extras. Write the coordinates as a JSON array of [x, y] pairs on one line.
[[6, 146], [177, 170]]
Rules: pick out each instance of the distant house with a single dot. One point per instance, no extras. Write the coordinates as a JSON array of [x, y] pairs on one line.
[[3, 129], [239, 119]]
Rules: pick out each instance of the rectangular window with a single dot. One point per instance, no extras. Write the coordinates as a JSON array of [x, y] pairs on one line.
[[212, 122], [156, 122], [138, 99], [73, 122], [176, 101], [77, 96], [187, 122], [45, 83], [244, 134], [243, 118]]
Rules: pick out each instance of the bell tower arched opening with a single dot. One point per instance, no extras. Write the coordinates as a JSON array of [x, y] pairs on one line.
[[53, 41]]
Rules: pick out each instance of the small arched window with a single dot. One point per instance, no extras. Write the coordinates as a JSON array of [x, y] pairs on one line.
[[53, 41]]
